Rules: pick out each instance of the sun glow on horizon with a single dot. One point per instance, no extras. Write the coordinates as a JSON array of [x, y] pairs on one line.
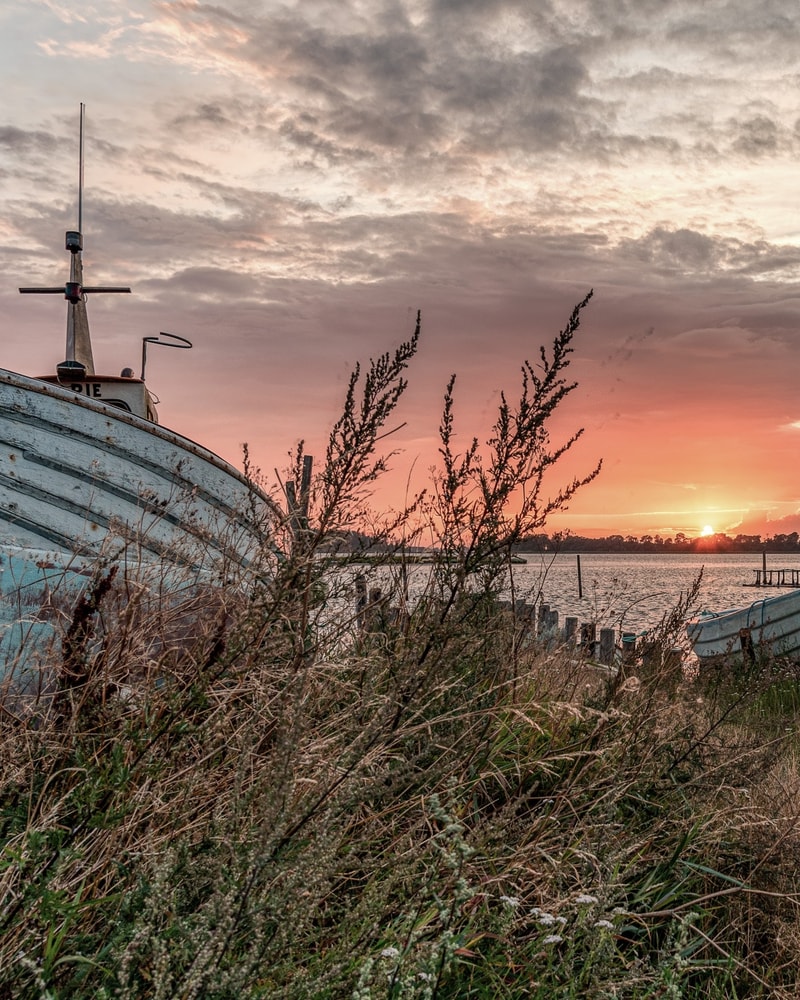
[[707, 530]]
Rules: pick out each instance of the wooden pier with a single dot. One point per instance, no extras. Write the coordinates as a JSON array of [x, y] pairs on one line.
[[776, 578]]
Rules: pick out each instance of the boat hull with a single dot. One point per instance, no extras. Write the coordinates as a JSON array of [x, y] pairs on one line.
[[766, 627], [78, 477]]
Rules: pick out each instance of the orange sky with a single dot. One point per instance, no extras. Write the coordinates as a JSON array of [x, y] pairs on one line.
[[287, 184]]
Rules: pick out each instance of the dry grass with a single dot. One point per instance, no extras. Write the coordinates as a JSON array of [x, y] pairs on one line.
[[232, 822], [235, 791]]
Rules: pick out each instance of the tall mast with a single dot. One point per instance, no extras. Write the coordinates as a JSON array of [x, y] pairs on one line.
[[79, 342]]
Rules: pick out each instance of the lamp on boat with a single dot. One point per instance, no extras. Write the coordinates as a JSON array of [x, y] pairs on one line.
[[70, 371]]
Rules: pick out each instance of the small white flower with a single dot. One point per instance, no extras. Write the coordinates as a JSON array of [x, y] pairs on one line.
[[390, 952], [586, 898], [552, 939], [512, 902], [425, 975], [561, 920], [619, 911], [605, 923], [547, 919]]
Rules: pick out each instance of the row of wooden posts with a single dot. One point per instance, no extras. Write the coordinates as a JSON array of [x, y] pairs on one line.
[[598, 644], [602, 647], [374, 612]]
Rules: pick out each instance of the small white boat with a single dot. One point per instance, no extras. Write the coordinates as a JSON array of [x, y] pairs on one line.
[[769, 627]]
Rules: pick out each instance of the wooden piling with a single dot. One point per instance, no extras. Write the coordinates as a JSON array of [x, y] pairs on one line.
[[588, 630], [297, 502], [651, 656], [544, 610], [748, 648], [628, 648], [361, 600], [608, 638]]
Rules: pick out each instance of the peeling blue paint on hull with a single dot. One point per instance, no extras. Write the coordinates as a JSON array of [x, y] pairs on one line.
[[77, 475]]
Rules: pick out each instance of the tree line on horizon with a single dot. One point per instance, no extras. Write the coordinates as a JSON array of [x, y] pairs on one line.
[[716, 543], [355, 542]]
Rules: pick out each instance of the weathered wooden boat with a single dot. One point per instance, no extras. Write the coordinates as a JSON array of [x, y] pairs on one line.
[[85, 467], [769, 627]]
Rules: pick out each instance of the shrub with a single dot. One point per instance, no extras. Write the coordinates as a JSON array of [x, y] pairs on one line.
[[269, 790]]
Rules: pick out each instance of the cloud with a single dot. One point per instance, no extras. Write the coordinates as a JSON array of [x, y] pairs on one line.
[[24, 142], [207, 116], [757, 136], [697, 253], [287, 183]]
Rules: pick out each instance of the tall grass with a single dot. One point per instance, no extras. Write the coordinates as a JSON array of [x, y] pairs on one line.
[[261, 790]]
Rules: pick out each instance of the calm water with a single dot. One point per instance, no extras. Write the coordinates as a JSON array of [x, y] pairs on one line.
[[629, 593], [632, 592]]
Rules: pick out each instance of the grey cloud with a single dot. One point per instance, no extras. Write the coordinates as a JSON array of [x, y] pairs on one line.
[[304, 136], [206, 114], [406, 131], [749, 26], [24, 142], [212, 283], [391, 59], [681, 249], [379, 85], [685, 251], [757, 136], [657, 78], [426, 84], [389, 63], [530, 101], [724, 27], [500, 82], [478, 7], [447, 82], [416, 91]]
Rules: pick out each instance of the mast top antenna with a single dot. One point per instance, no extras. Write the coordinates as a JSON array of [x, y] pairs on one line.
[[80, 170]]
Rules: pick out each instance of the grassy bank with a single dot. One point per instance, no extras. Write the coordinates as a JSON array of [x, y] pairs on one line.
[[213, 796]]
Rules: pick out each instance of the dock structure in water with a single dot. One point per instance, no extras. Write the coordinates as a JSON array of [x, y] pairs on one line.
[[776, 577]]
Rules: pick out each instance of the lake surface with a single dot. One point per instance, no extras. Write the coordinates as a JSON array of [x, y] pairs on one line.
[[632, 592]]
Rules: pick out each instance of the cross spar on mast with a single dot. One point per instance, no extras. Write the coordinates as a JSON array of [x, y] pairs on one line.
[[79, 343]]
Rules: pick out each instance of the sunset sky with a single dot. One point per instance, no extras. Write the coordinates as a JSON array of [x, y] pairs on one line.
[[287, 183]]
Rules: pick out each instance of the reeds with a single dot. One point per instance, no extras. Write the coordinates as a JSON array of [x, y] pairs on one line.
[[257, 790]]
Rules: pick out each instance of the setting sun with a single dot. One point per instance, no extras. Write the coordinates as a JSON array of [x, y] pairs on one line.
[[707, 530]]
